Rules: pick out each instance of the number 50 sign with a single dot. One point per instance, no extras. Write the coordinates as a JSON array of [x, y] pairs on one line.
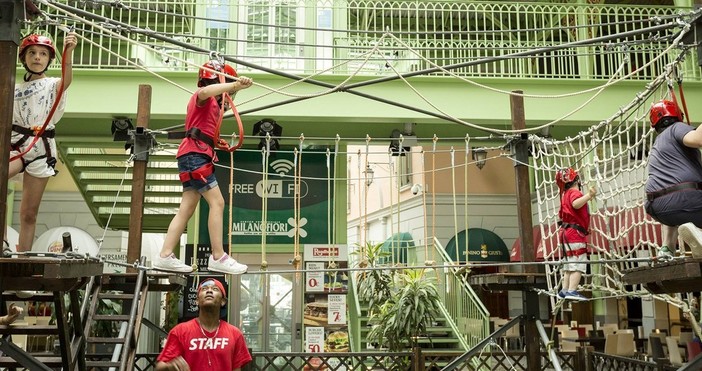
[[314, 339]]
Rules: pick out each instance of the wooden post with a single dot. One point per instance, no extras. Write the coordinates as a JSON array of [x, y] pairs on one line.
[[530, 299], [10, 11], [136, 211], [417, 363]]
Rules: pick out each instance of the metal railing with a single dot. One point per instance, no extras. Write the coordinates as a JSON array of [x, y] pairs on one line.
[[462, 304], [332, 36], [354, 307], [492, 359]]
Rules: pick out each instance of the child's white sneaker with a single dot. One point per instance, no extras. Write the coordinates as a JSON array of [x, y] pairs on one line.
[[171, 264], [226, 264]]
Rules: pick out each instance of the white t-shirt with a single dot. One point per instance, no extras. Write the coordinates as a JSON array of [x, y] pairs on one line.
[[33, 101]]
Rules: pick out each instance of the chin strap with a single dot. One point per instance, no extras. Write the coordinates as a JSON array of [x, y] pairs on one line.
[[29, 73]]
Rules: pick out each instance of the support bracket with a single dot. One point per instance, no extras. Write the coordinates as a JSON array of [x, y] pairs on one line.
[[11, 13]]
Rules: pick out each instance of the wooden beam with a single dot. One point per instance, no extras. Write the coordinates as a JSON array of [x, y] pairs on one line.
[[9, 38], [509, 281], [136, 220], [530, 299]]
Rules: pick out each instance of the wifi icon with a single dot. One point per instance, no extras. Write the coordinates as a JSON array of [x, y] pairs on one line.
[[282, 167]]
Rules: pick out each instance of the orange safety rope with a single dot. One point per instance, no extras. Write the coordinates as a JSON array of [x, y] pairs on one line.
[[682, 99], [219, 142], [54, 106]]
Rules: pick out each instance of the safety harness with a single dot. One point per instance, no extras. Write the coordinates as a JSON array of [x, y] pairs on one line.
[[204, 171], [650, 196], [215, 142], [564, 242], [197, 134], [37, 133], [200, 173]]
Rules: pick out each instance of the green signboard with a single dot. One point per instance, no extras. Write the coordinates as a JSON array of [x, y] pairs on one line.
[[249, 191], [483, 245]]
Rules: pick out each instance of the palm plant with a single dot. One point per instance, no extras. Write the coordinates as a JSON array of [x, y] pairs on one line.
[[406, 315], [374, 285]]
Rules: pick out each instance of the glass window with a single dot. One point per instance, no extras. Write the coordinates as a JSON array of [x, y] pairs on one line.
[[271, 34], [266, 312], [217, 30], [404, 168]]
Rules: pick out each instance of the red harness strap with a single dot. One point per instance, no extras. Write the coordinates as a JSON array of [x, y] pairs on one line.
[[200, 173], [577, 252]]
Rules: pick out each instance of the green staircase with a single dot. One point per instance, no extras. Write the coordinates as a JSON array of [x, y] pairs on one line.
[[440, 336], [103, 174]]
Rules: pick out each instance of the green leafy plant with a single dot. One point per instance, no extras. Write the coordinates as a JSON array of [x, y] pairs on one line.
[[171, 307], [374, 285], [109, 329], [406, 315]]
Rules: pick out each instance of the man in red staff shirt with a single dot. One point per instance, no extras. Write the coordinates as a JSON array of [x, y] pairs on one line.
[[206, 342]]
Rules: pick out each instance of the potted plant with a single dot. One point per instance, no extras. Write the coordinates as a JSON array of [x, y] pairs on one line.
[[106, 329], [373, 285], [405, 316]]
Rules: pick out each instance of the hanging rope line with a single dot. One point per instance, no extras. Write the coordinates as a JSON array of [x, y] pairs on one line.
[[611, 154]]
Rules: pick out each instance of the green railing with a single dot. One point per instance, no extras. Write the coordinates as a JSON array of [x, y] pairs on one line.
[[463, 307], [336, 36], [354, 310]]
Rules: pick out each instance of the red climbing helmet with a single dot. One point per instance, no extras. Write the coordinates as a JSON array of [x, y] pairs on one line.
[[35, 39], [209, 75], [664, 108], [565, 176]]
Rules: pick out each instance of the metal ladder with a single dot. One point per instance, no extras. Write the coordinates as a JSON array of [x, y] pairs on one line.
[[131, 289]]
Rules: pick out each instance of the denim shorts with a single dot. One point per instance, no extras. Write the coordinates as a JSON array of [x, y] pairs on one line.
[[191, 162]]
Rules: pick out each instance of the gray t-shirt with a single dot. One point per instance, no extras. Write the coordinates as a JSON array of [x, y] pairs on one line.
[[671, 162]]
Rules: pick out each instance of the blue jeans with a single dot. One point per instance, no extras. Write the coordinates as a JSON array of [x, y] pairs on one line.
[[191, 162]]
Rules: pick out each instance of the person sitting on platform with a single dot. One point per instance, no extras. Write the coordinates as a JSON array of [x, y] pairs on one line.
[[196, 155], [674, 184], [13, 312], [205, 342], [574, 228]]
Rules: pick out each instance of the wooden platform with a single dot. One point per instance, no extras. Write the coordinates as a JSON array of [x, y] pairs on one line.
[[668, 278], [158, 281], [46, 274], [509, 281]]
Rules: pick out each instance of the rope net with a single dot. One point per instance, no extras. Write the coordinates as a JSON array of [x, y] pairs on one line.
[[611, 156]]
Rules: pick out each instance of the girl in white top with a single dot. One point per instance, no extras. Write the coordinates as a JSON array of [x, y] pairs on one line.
[[33, 155]]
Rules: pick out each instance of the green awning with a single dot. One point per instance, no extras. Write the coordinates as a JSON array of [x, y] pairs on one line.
[[397, 246], [483, 246]]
